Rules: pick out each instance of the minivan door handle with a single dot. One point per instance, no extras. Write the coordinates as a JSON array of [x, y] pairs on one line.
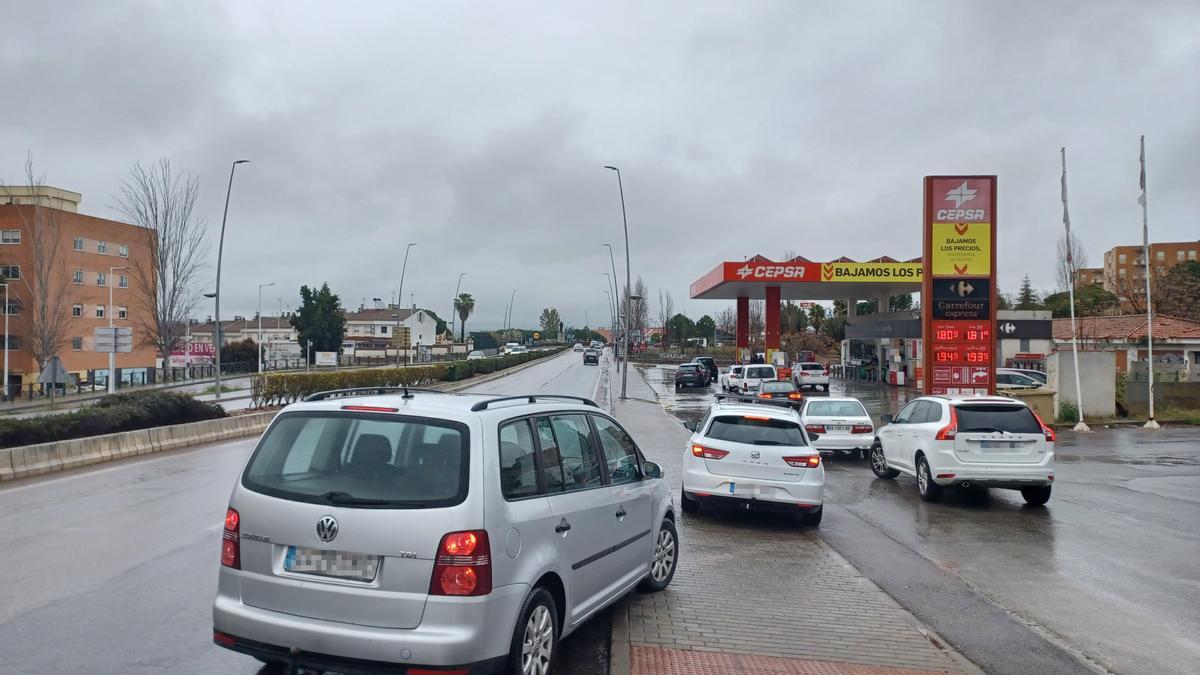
[[562, 526], [620, 512]]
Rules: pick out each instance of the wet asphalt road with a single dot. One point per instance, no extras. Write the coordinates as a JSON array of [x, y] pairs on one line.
[[113, 569], [1108, 571]]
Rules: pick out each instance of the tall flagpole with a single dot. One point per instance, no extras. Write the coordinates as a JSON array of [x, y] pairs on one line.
[[1081, 426], [1151, 423]]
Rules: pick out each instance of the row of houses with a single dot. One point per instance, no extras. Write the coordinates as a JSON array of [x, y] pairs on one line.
[[367, 329]]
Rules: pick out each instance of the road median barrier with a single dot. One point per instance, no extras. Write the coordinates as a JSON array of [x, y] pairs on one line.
[[43, 458]]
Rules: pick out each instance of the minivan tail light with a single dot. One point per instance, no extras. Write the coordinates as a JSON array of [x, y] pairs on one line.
[[948, 432], [804, 461], [708, 453], [815, 428], [231, 546], [861, 429], [463, 565]]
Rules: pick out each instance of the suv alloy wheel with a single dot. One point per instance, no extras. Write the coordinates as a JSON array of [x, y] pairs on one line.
[[879, 463], [929, 490]]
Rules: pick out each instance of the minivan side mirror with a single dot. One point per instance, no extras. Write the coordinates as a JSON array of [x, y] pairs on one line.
[[651, 470], [886, 419], [690, 426]]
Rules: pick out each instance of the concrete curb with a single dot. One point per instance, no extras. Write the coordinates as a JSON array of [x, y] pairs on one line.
[[619, 649], [34, 460]]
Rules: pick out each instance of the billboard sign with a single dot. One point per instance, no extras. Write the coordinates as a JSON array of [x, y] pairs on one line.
[[194, 354], [325, 358], [958, 319]]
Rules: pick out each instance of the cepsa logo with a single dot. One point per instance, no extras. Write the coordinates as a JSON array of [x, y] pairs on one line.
[[748, 271], [970, 202]]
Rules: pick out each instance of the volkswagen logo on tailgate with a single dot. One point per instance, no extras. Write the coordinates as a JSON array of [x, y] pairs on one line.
[[327, 528]]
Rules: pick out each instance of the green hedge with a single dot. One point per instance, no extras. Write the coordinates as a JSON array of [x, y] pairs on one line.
[[284, 388], [110, 415]]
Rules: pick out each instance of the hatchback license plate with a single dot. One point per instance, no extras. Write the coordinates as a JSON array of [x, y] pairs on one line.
[[336, 564]]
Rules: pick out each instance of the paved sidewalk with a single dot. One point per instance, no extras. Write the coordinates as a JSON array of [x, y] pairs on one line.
[[751, 586]]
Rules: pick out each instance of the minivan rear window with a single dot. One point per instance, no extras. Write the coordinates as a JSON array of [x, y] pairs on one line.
[[1015, 419], [363, 461], [753, 430]]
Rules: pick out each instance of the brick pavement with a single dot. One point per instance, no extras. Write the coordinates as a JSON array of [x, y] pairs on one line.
[[751, 583]]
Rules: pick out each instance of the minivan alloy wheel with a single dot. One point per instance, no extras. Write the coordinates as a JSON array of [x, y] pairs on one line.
[[664, 556], [537, 648]]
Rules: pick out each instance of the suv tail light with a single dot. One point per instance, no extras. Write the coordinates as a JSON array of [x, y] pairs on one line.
[[804, 461], [231, 546], [708, 453], [1046, 431], [948, 432], [861, 429], [815, 428], [463, 565]]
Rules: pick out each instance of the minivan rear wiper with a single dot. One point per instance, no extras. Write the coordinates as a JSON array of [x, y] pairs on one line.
[[346, 498]]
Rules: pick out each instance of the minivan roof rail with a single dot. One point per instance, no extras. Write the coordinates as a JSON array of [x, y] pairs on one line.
[[367, 391], [531, 398]]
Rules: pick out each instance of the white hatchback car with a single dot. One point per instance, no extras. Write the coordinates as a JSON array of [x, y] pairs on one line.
[[432, 532], [964, 441], [842, 425], [728, 379], [810, 374], [754, 375], [755, 455]]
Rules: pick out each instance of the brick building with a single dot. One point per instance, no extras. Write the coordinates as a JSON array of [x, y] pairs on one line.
[[1124, 269], [87, 248]]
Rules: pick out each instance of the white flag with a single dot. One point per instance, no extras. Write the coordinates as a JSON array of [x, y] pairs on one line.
[[1066, 214], [1142, 175]]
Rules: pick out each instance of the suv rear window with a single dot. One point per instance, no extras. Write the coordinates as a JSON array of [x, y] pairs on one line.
[[1015, 419], [366, 461], [689, 367], [755, 431]]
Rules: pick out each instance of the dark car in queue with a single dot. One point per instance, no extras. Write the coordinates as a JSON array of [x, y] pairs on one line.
[[691, 375], [710, 365], [591, 357], [781, 390]]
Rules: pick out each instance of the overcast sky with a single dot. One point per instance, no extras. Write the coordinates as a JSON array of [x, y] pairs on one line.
[[479, 131]]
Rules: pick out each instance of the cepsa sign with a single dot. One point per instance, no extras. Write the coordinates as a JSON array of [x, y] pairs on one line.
[[754, 271], [958, 320], [830, 271]]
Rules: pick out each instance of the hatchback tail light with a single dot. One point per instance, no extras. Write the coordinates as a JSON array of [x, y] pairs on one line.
[[861, 429], [804, 461], [463, 565], [708, 453], [948, 432], [795, 396], [815, 428], [231, 546]]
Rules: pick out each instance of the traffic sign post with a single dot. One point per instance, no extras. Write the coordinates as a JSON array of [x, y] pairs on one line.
[[958, 286], [112, 340]]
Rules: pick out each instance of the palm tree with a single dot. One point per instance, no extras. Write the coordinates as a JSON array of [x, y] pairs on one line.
[[464, 304]]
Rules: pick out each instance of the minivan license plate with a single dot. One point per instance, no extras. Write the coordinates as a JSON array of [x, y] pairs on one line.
[[336, 564]]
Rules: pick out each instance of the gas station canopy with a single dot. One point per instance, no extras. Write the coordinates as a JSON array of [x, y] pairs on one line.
[[803, 279]]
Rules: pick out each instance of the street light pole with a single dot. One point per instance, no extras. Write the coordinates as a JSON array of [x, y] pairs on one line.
[[628, 285], [6, 310], [512, 298], [217, 293], [260, 340], [453, 308], [400, 299], [617, 311], [612, 311], [112, 356]]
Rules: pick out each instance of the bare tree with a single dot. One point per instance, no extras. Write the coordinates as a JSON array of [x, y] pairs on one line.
[[727, 320], [1071, 259], [161, 202], [666, 310], [757, 320], [46, 284], [640, 314]]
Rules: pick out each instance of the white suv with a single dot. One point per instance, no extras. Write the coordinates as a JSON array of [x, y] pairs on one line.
[[433, 531], [753, 454], [963, 441]]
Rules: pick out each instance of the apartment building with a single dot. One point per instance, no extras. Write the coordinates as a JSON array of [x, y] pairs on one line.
[[1089, 276], [87, 249], [1124, 268]]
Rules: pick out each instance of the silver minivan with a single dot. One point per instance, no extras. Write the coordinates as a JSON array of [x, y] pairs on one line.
[[419, 529]]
